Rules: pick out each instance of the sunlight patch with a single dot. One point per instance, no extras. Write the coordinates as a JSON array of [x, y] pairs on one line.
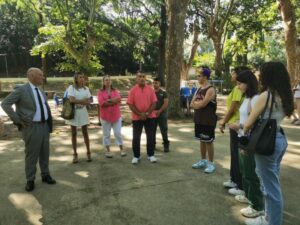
[[186, 129], [83, 174], [29, 204], [185, 150]]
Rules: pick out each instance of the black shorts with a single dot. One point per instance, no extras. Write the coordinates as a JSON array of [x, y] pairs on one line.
[[205, 133]]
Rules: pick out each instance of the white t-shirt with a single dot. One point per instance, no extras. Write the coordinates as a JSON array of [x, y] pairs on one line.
[[246, 107]]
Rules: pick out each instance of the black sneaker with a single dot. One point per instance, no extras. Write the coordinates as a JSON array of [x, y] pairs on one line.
[[29, 186], [48, 179]]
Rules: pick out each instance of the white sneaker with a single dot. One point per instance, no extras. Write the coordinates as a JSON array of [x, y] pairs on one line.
[[152, 159], [250, 212], [242, 199], [236, 191], [229, 184], [210, 168], [261, 220], [135, 160]]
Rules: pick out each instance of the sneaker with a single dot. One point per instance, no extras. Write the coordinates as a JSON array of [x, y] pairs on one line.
[[123, 153], [200, 165], [261, 220], [229, 184], [210, 168], [242, 199], [135, 160], [152, 159], [250, 212], [108, 154], [294, 121], [236, 191], [297, 122]]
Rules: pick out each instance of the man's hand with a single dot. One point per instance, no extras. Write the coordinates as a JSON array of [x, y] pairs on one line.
[[143, 116], [222, 127], [157, 113]]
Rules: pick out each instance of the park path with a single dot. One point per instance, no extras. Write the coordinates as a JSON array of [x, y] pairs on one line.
[[113, 191]]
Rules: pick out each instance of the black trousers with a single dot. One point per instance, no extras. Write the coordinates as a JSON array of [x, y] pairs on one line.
[[162, 122], [235, 173], [149, 125]]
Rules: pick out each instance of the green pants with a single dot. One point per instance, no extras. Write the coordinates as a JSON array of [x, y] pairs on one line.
[[251, 184]]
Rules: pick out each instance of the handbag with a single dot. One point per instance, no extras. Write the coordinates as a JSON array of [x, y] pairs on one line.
[[263, 134], [68, 110]]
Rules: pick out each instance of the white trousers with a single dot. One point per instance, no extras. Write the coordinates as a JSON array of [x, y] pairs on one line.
[[106, 128]]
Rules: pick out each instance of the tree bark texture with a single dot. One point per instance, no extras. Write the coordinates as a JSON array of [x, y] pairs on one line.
[[287, 11], [176, 13], [186, 66], [162, 44]]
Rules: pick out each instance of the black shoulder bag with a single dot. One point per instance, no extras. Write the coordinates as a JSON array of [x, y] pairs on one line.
[[263, 134]]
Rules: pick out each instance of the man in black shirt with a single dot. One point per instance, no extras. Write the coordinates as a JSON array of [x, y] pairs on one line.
[[161, 113]]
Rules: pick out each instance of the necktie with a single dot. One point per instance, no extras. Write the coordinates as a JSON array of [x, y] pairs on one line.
[[41, 105]]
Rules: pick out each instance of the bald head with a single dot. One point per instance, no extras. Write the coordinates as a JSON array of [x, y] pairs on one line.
[[35, 76]]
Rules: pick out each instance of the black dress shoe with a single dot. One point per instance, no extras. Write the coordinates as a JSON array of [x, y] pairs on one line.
[[48, 179], [29, 186]]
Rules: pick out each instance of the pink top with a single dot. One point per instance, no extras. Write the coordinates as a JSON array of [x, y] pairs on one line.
[[142, 99], [109, 113]]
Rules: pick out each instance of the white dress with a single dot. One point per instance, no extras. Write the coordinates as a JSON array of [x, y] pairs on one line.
[[81, 117]]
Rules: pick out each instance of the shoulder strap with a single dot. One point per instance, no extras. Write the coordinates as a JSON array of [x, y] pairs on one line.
[[272, 103]]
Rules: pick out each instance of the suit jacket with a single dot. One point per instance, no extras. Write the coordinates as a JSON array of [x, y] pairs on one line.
[[23, 98]]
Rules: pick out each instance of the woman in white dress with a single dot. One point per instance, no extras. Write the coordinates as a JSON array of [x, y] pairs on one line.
[[80, 95]]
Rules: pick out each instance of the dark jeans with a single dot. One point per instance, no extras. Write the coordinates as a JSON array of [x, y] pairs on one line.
[[235, 173], [162, 122], [137, 126], [251, 184]]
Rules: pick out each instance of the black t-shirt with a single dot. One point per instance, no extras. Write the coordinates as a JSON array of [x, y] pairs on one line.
[[161, 95]]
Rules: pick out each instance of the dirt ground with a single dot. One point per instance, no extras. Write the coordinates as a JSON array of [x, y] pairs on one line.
[[113, 191]]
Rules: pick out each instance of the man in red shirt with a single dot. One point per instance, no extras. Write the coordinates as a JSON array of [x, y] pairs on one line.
[[142, 101]]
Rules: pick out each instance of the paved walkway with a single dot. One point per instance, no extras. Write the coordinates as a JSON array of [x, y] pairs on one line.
[[114, 192]]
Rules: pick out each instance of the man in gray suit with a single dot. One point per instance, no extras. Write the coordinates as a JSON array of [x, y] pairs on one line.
[[33, 119]]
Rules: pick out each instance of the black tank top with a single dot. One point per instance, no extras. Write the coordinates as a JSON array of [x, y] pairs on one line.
[[207, 115]]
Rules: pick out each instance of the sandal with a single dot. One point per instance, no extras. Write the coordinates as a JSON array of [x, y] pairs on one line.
[[89, 158], [75, 158]]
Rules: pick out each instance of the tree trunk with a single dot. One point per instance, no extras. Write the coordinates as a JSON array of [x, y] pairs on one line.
[[44, 68], [287, 11], [162, 44], [177, 14], [218, 57], [186, 66]]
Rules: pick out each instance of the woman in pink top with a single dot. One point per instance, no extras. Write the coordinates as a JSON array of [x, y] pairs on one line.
[[109, 101]]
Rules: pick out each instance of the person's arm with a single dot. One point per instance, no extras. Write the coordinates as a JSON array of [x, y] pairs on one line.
[[150, 109], [141, 115], [163, 107], [84, 101], [209, 96], [231, 111], [71, 96], [7, 104], [256, 111]]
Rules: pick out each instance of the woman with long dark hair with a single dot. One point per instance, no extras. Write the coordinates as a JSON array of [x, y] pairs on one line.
[[275, 79], [109, 100], [248, 85], [80, 95]]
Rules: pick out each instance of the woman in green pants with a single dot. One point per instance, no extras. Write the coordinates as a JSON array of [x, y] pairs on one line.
[[248, 85]]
